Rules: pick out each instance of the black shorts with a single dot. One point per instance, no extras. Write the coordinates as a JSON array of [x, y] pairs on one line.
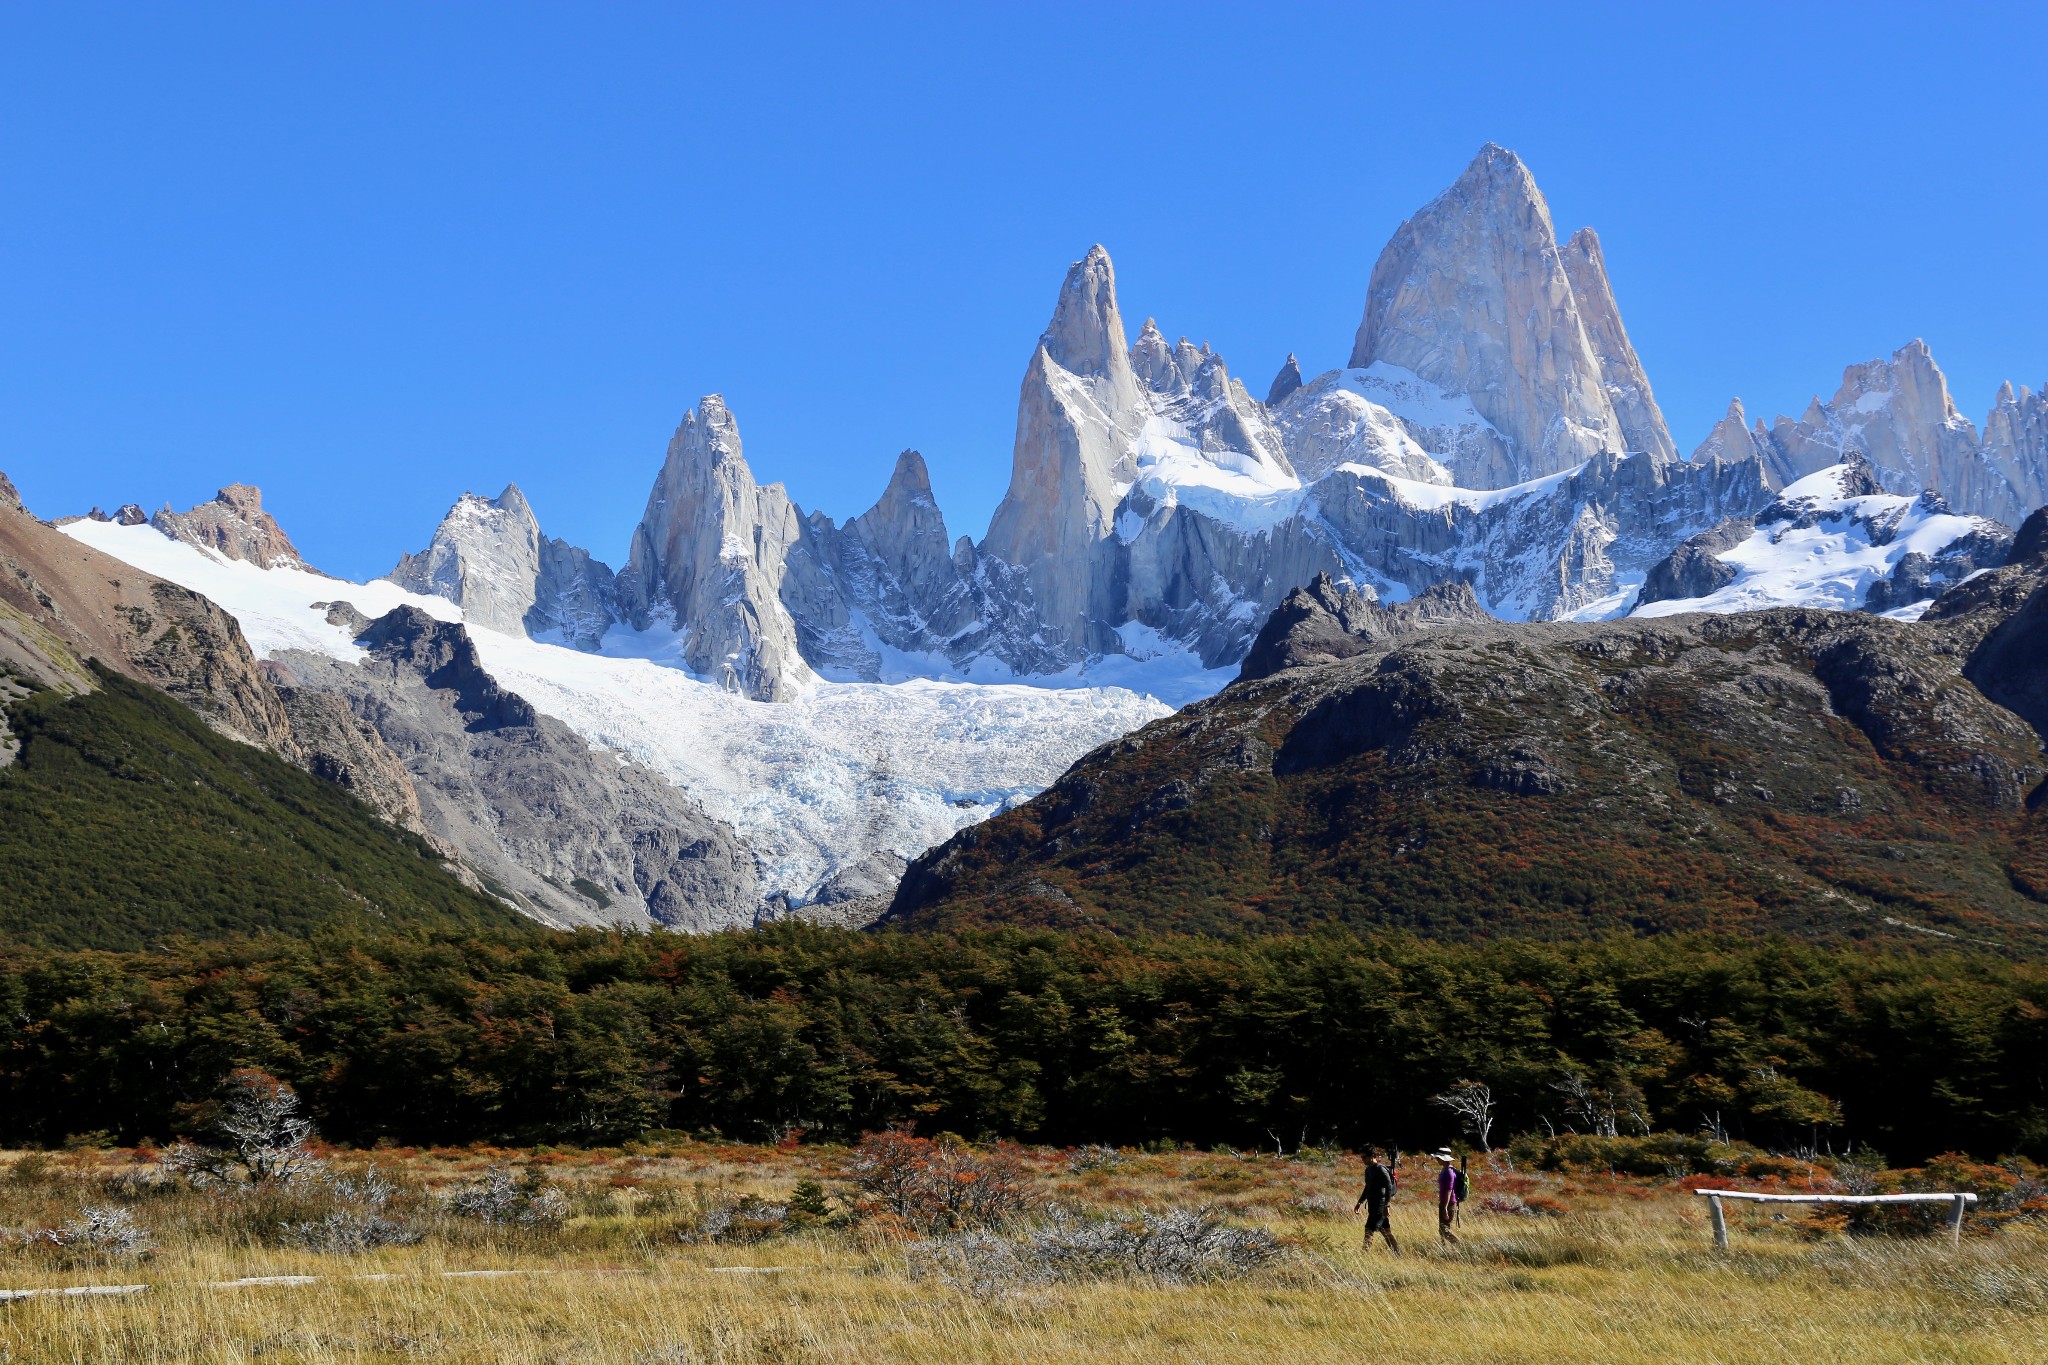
[[1376, 1216]]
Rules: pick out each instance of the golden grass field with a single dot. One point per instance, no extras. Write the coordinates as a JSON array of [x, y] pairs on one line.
[[1624, 1273]]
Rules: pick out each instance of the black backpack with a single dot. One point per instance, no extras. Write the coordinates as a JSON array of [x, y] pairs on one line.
[[1460, 1186]]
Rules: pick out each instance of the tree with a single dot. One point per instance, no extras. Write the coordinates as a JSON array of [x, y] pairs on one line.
[[265, 1132], [1472, 1102]]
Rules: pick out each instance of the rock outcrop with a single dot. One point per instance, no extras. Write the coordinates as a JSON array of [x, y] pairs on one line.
[[2013, 478], [709, 557], [1284, 383], [1836, 539], [234, 526], [62, 603], [1325, 622], [489, 557], [566, 834], [1079, 417], [1897, 414], [1473, 295], [1628, 387]]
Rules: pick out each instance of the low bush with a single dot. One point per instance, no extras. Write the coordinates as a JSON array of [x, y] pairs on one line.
[[505, 1199], [938, 1184], [1173, 1246]]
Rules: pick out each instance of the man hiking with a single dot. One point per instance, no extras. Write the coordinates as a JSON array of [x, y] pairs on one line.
[[1378, 1193], [1450, 1185]]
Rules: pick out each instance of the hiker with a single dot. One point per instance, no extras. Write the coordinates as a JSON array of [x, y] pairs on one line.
[[1379, 1191], [1451, 1186]]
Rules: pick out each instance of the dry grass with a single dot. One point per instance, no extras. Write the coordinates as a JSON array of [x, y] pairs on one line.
[[1627, 1275]]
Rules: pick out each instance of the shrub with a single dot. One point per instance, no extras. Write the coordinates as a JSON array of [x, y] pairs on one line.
[[807, 1203], [938, 1185], [504, 1199], [360, 1223], [738, 1222], [1175, 1246], [1094, 1157], [105, 1231]]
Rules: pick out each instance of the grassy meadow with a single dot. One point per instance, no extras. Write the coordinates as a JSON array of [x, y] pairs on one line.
[[676, 1254]]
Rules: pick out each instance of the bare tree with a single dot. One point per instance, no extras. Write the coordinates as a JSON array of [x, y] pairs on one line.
[[266, 1137], [1602, 1108], [1472, 1102]]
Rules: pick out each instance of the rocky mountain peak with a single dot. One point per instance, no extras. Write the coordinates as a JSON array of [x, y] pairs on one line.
[[1897, 413], [1086, 335], [489, 557], [235, 526], [1285, 382], [710, 554], [1473, 295], [1327, 621], [444, 655], [1628, 386], [1731, 441]]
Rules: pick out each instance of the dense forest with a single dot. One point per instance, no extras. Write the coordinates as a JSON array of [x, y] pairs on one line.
[[126, 819], [594, 1038]]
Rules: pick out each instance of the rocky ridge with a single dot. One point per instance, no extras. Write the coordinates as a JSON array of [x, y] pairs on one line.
[[233, 525], [1495, 427], [566, 834], [1829, 774]]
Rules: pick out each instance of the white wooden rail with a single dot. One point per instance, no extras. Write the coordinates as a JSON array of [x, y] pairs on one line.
[[1957, 1203]]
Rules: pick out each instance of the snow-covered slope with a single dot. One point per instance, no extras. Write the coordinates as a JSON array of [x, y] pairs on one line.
[[1832, 539], [813, 786]]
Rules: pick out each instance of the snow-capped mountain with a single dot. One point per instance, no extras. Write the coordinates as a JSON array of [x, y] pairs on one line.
[[489, 557], [825, 793], [1832, 539], [828, 698], [1897, 415]]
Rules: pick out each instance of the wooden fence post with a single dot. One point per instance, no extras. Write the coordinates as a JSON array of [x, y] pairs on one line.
[[1955, 1221], [1720, 1221]]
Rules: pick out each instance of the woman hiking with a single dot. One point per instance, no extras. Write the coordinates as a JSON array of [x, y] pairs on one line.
[[1448, 1180], [1379, 1191]]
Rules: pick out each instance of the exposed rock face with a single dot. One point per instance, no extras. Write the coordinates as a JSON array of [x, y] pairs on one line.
[[233, 525], [569, 835], [1079, 417], [1732, 442], [1324, 622], [1628, 387], [2014, 462], [336, 745], [709, 556], [1725, 772], [1284, 383], [1549, 550], [1330, 422], [1834, 538], [1472, 295], [62, 603], [1897, 414], [489, 557], [1694, 569]]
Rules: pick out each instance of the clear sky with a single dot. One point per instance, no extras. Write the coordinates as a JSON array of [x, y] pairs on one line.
[[371, 255]]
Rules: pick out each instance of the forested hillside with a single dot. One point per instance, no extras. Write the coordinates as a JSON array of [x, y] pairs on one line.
[[125, 819]]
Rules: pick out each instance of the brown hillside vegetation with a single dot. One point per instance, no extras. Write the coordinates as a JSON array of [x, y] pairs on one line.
[[1831, 775]]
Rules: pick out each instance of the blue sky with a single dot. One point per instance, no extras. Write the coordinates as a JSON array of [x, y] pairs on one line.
[[369, 256]]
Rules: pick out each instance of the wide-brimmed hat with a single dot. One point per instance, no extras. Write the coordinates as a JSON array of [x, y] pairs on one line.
[[1442, 1154]]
